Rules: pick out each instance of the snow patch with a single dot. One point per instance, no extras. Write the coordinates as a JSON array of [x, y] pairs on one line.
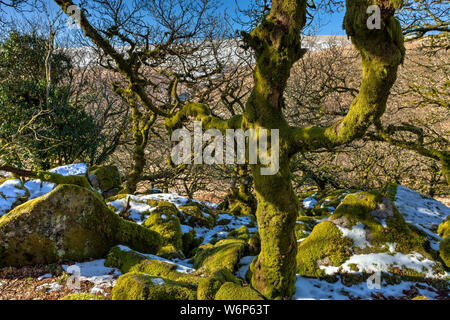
[[10, 190], [357, 234], [95, 272], [309, 203], [71, 169], [182, 266], [384, 262], [244, 266], [315, 289]]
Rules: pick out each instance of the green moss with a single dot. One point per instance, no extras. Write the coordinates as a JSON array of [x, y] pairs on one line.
[[82, 296], [444, 229], [241, 233], [358, 208], [420, 298], [194, 217], [325, 242], [108, 177], [140, 286], [117, 197], [131, 261], [232, 291], [191, 242], [56, 178], [224, 254], [165, 222], [208, 287], [444, 251], [69, 223], [254, 245]]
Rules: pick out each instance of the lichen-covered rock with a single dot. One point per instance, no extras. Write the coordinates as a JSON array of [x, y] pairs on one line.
[[140, 286], [325, 246], [82, 296], [232, 291], [224, 254], [106, 178], [208, 287], [164, 221], [69, 223]]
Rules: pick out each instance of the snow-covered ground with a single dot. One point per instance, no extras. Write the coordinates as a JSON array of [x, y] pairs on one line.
[[315, 289], [95, 272], [423, 212], [10, 190], [182, 265], [140, 210]]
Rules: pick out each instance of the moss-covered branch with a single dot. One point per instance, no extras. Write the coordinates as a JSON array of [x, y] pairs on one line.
[[439, 155], [201, 112], [382, 51], [51, 177]]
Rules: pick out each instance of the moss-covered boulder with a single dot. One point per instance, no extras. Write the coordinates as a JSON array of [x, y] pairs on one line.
[[324, 247], [140, 286], [208, 287], [364, 224], [383, 223], [444, 229], [130, 261], [321, 203], [190, 242], [444, 247], [233, 291], [82, 296], [240, 233], [224, 254], [194, 216], [105, 178], [164, 220], [69, 223]]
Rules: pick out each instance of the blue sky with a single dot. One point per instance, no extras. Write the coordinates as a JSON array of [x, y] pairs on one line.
[[330, 24]]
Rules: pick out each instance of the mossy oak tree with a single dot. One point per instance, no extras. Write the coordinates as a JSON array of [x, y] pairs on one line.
[[276, 45]]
